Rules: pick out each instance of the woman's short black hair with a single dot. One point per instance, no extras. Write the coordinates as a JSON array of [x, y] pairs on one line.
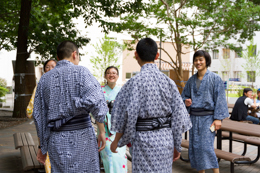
[[110, 68], [246, 90], [147, 49], [205, 55], [46, 62]]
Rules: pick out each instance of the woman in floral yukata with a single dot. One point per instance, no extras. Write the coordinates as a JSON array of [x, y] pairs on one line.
[[113, 162], [204, 97]]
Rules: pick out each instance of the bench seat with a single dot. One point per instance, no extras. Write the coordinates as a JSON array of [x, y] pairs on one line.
[[28, 151], [23, 139], [29, 158], [233, 158], [242, 138]]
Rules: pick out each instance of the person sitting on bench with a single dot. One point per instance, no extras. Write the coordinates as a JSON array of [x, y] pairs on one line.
[[240, 109]]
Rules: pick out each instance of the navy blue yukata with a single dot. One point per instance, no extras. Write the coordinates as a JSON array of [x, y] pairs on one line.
[[150, 94], [63, 93], [209, 96]]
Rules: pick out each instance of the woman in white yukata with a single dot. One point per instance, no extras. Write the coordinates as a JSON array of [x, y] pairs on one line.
[[113, 162], [204, 97]]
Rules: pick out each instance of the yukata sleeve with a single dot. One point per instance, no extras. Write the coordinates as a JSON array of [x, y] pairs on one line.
[[180, 120], [91, 97], [40, 117], [186, 93], [219, 98], [119, 111]]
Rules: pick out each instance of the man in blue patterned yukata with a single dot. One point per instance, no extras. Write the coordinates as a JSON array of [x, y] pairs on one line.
[[204, 96], [149, 113], [64, 98]]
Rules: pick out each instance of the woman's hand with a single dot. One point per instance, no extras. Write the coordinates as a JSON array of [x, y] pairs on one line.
[[188, 102], [101, 139], [217, 124]]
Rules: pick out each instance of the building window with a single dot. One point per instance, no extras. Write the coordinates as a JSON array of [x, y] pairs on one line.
[[215, 72], [250, 76], [215, 54], [128, 75], [225, 75], [166, 73], [238, 52], [135, 73], [226, 53], [237, 76]]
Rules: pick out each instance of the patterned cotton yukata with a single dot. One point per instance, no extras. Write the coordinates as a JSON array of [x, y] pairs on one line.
[[209, 96], [65, 92], [150, 94], [113, 162]]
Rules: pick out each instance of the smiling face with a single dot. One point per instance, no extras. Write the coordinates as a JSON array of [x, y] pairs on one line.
[[200, 63], [111, 75], [249, 94], [49, 66]]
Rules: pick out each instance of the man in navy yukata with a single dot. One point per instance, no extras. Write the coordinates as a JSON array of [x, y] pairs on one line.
[[64, 98], [204, 97], [149, 113]]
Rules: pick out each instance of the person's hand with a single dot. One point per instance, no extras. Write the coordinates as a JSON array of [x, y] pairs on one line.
[[101, 139], [217, 124], [188, 102], [113, 146], [176, 155], [41, 157], [254, 96]]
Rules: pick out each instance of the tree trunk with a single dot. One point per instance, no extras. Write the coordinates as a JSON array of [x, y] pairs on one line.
[[24, 77]]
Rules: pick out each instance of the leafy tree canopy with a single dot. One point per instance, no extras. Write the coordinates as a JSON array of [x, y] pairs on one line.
[[53, 21]]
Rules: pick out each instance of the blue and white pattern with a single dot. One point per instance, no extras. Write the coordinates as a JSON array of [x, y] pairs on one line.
[[150, 94], [65, 92], [209, 96]]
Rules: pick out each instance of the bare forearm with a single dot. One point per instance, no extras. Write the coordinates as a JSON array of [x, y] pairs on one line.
[[118, 137], [101, 127]]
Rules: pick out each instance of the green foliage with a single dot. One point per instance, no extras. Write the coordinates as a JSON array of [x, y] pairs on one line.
[[3, 89], [107, 55], [252, 60], [3, 82], [53, 21], [198, 23]]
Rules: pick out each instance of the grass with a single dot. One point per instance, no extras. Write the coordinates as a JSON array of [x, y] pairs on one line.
[[232, 95]]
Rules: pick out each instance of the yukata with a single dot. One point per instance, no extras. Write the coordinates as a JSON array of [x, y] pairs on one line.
[[113, 162], [150, 94], [211, 97], [64, 93]]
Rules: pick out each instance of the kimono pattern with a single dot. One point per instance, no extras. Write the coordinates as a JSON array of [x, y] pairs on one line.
[[209, 96], [113, 162], [150, 94], [63, 93]]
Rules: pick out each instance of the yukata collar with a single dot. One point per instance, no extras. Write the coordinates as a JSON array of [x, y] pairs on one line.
[[194, 86], [148, 66], [207, 72], [64, 63]]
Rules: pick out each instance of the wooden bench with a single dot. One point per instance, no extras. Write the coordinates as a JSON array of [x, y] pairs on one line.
[[28, 151], [233, 158], [244, 139]]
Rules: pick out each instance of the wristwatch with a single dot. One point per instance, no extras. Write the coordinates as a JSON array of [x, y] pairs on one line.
[[39, 147]]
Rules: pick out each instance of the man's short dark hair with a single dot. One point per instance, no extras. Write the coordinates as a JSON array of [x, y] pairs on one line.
[[204, 54], [65, 49], [246, 90], [147, 49]]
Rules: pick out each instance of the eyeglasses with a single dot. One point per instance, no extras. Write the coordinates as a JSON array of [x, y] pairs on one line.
[[111, 74]]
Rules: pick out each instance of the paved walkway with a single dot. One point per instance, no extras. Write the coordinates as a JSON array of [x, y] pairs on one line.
[[10, 160]]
